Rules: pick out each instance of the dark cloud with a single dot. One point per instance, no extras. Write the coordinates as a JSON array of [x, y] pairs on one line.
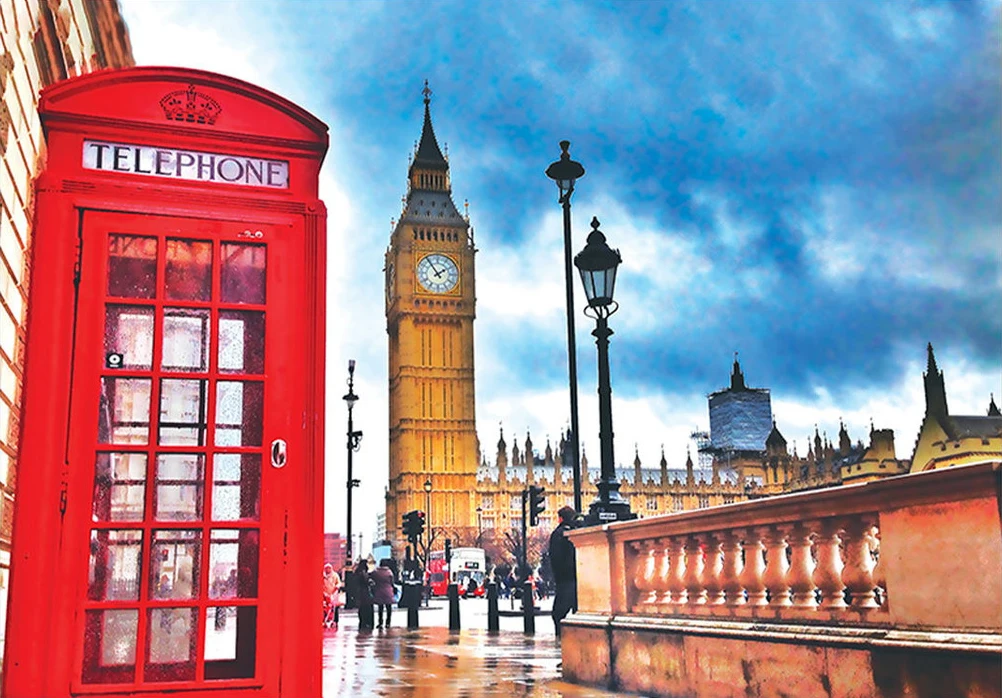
[[873, 127]]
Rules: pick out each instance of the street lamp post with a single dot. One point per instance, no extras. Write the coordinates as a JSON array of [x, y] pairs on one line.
[[564, 172], [354, 442], [597, 264], [480, 527], [427, 516]]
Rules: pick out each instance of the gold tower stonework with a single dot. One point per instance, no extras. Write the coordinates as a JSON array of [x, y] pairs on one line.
[[430, 308]]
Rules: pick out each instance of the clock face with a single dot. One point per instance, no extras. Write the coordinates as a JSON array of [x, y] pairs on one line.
[[437, 273]]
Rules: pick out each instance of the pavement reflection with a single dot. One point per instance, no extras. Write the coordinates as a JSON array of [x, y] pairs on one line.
[[436, 663]]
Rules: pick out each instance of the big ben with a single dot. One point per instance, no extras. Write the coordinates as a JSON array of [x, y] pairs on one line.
[[430, 308]]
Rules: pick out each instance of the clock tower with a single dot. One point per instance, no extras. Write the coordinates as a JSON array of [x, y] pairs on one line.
[[430, 307]]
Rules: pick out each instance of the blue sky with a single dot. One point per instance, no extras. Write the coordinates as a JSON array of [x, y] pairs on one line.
[[812, 184]]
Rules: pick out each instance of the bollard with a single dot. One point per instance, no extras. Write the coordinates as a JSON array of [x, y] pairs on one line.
[[453, 607], [412, 590], [493, 616], [528, 609]]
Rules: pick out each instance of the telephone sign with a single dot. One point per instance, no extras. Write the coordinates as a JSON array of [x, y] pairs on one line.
[[173, 395]]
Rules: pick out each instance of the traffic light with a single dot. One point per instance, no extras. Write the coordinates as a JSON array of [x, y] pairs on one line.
[[537, 503], [413, 525]]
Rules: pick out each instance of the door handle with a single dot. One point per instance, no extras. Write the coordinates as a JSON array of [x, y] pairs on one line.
[[278, 453]]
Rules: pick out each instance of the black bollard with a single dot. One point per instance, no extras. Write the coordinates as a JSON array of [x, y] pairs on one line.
[[493, 616], [412, 590], [453, 607], [528, 608]]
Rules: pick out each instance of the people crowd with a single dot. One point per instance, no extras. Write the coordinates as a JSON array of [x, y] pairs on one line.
[[373, 590]]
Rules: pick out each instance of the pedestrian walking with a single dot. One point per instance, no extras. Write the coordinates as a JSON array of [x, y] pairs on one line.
[[333, 596], [382, 594], [564, 564], [364, 583]]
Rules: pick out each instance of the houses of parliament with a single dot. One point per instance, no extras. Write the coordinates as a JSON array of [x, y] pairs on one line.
[[435, 460]]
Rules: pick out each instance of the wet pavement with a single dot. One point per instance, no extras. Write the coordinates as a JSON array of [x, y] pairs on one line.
[[437, 663]]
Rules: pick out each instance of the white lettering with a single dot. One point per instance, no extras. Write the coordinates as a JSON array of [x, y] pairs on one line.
[[191, 165]]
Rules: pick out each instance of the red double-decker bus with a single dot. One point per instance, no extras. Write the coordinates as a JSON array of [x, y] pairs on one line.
[[467, 563]]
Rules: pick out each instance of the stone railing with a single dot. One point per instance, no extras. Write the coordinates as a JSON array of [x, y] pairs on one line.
[[915, 551]]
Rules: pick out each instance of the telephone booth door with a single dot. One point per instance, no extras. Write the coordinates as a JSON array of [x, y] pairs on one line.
[[180, 442]]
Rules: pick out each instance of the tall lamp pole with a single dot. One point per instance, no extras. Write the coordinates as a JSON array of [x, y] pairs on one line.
[[480, 527], [564, 172], [354, 442], [597, 264], [427, 515]]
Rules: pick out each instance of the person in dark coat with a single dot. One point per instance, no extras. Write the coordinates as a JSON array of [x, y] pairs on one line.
[[382, 594], [564, 565], [364, 595]]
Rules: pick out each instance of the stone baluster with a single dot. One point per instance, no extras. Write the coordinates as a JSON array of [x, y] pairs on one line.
[[662, 571], [828, 573], [641, 573], [776, 567], [753, 573], [694, 572], [858, 572], [730, 574], [801, 574], [676, 552], [879, 579], [712, 568]]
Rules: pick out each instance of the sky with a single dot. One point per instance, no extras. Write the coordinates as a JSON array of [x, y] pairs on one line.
[[814, 185]]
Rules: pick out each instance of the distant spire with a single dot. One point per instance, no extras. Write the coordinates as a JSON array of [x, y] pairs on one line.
[[935, 387], [844, 442], [993, 409], [737, 378]]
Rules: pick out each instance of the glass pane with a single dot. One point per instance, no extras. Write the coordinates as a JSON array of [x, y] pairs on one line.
[[233, 563], [188, 274], [170, 646], [186, 340], [241, 341], [239, 413], [174, 564], [114, 570], [128, 337], [124, 415], [110, 646], [178, 495], [236, 486], [119, 487], [182, 412], [242, 275], [230, 642], [132, 266]]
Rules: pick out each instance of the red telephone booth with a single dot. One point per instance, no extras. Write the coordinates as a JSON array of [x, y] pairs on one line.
[[169, 521]]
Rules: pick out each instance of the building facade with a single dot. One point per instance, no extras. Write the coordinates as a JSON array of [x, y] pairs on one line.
[[430, 308], [43, 41]]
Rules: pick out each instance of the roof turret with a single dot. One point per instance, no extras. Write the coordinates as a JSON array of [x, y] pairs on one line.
[[993, 409]]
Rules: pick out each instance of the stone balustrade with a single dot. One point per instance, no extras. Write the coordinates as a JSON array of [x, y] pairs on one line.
[[829, 564], [861, 590], [884, 553]]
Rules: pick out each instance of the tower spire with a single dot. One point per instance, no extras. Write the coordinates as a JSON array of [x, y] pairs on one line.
[[737, 378], [935, 387], [429, 155]]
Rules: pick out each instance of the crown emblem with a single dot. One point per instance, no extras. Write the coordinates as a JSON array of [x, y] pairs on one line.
[[190, 106]]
